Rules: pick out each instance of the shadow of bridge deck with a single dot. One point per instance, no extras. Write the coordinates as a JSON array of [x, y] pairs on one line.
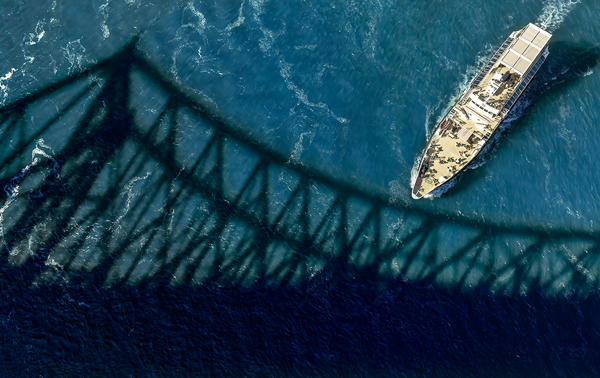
[[131, 179]]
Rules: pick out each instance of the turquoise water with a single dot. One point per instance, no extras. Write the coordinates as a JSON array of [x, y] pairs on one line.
[[353, 89], [342, 94]]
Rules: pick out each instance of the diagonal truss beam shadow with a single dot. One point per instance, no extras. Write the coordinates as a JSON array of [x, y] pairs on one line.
[[133, 180]]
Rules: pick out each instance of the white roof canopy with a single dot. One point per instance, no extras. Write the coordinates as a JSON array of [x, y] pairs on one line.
[[525, 49]]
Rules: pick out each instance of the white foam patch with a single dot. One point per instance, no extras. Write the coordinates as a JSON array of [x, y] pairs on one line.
[[258, 6], [554, 13], [31, 39], [40, 151], [8, 75], [103, 26], [197, 24], [74, 52], [36, 37], [415, 170], [307, 47], [200, 25], [428, 114], [239, 21], [3, 87]]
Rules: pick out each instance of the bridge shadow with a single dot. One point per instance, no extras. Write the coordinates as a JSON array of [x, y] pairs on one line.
[[116, 175]]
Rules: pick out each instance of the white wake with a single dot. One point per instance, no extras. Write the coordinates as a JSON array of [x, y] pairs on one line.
[[554, 13]]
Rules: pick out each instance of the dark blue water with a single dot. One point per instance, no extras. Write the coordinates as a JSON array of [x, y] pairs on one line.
[[358, 327], [222, 189]]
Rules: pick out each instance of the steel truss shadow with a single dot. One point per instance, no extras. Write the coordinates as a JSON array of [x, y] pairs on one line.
[[115, 174]]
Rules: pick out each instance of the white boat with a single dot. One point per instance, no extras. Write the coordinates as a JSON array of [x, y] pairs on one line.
[[471, 122]]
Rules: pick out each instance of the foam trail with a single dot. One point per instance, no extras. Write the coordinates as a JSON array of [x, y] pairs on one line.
[[413, 173], [104, 27], [131, 195], [239, 21], [266, 44], [74, 52], [554, 12], [428, 113], [299, 146]]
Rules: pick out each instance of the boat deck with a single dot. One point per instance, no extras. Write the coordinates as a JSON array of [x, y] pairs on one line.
[[470, 123]]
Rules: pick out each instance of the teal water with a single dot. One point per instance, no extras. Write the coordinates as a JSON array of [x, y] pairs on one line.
[[353, 89], [97, 205]]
